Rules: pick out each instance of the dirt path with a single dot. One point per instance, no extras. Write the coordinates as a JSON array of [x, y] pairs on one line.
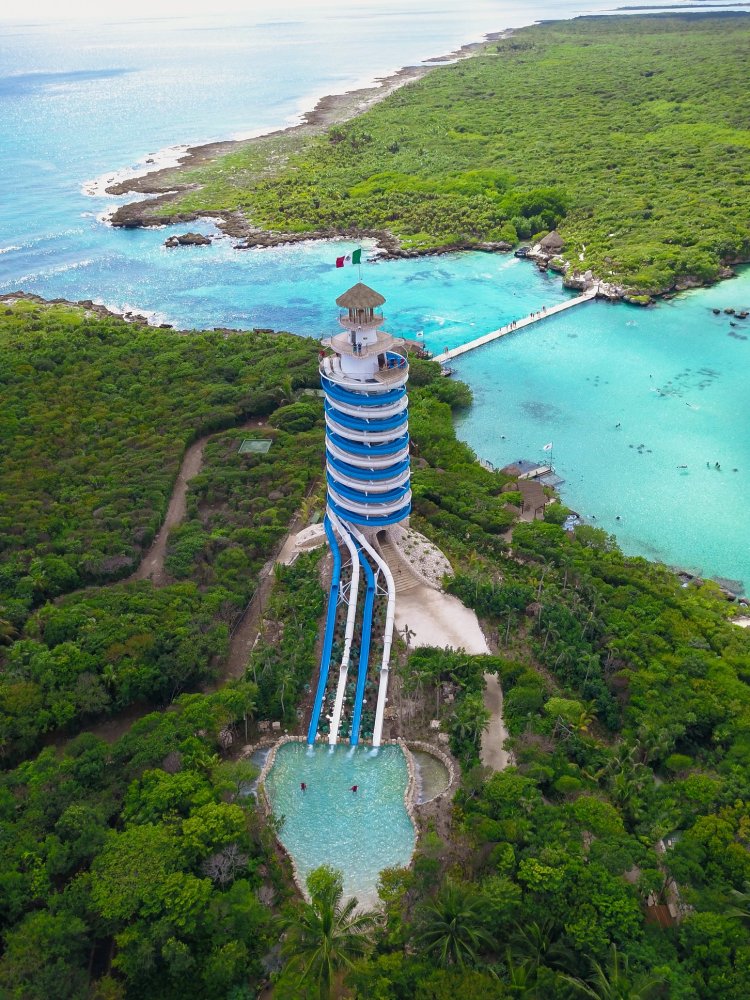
[[152, 564], [437, 619]]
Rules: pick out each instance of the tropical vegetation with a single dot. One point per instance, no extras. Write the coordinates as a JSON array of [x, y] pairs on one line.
[[628, 134], [611, 858]]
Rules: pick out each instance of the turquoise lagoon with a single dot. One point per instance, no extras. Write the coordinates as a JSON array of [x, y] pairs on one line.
[[79, 100], [359, 833], [674, 377]]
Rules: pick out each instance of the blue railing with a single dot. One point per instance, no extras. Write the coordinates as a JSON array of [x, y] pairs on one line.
[[382, 448], [370, 520], [374, 424], [360, 496], [355, 398], [354, 472]]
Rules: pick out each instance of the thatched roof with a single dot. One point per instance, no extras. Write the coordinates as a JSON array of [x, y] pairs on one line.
[[552, 241], [360, 296]]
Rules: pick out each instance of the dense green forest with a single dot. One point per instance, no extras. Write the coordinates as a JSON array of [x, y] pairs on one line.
[[96, 416], [142, 869], [629, 134]]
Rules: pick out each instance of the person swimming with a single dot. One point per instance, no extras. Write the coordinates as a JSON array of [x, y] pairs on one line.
[[302, 786], [354, 788]]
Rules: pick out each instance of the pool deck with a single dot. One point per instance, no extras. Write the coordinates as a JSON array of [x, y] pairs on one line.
[[518, 324]]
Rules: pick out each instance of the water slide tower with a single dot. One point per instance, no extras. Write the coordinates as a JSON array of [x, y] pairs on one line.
[[367, 438], [364, 377]]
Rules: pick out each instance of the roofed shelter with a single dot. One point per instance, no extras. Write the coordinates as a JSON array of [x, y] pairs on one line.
[[552, 242], [361, 301]]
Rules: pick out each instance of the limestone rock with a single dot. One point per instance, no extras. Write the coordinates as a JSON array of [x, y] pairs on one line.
[[188, 240]]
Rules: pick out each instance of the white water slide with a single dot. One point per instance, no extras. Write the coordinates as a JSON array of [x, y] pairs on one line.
[[390, 615], [351, 615]]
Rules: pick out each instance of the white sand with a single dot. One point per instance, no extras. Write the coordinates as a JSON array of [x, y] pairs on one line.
[[438, 619]]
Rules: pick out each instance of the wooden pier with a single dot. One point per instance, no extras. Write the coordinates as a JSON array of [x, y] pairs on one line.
[[518, 324]]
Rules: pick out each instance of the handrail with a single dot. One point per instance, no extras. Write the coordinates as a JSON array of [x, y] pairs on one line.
[[390, 616], [369, 436], [363, 495], [367, 483], [351, 615], [367, 461], [325, 656], [364, 648], [370, 450], [372, 520], [359, 472], [352, 408], [364, 396], [367, 506], [375, 423]]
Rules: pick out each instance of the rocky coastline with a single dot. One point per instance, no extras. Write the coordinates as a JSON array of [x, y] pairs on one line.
[[164, 185], [329, 110]]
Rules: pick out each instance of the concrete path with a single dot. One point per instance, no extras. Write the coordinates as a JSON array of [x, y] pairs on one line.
[[437, 619], [518, 324]]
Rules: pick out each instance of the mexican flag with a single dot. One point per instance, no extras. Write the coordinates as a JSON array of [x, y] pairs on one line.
[[354, 258]]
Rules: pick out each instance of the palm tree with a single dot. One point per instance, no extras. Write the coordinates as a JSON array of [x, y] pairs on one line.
[[325, 935], [452, 926], [7, 632], [538, 944], [615, 981], [742, 907], [522, 978]]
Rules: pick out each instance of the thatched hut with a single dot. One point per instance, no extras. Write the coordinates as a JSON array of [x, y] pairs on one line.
[[552, 243]]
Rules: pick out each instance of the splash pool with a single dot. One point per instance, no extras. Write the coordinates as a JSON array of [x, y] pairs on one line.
[[433, 777], [360, 833]]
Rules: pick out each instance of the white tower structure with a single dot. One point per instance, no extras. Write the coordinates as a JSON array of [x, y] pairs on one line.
[[368, 475], [367, 438]]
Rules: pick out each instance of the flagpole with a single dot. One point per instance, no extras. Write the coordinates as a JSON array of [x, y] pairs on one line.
[[359, 263]]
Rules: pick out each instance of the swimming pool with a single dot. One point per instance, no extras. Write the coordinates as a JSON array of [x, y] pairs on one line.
[[359, 832]]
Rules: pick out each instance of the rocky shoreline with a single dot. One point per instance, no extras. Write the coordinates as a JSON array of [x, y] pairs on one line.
[[330, 110], [164, 185]]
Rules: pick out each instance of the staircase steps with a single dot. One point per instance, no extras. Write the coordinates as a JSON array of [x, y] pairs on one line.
[[403, 579]]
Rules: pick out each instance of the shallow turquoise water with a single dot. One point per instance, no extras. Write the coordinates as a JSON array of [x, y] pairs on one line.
[[360, 833], [675, 378], [432, 775], [79, 100]]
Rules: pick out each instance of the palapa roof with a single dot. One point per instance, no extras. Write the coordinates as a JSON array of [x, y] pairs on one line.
[[552, 241], [360, 296]]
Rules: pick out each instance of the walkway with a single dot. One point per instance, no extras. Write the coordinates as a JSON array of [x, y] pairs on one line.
[[434, 618], [518, 324], [151, 566]]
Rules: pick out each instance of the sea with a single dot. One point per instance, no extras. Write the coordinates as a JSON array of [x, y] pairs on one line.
[[645, 408]]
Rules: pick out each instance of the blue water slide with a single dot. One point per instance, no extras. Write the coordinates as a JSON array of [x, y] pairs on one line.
[[361, 496], [379, 449], [354, 472], [337, 392], [325, 656], [374, 424], [364, 646], [371, 520]]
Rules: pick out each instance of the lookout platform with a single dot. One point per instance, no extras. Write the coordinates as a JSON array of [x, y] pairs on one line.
[[518, 324]]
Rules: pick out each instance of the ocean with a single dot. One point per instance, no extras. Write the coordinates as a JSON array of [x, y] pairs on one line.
[[84, 101]]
